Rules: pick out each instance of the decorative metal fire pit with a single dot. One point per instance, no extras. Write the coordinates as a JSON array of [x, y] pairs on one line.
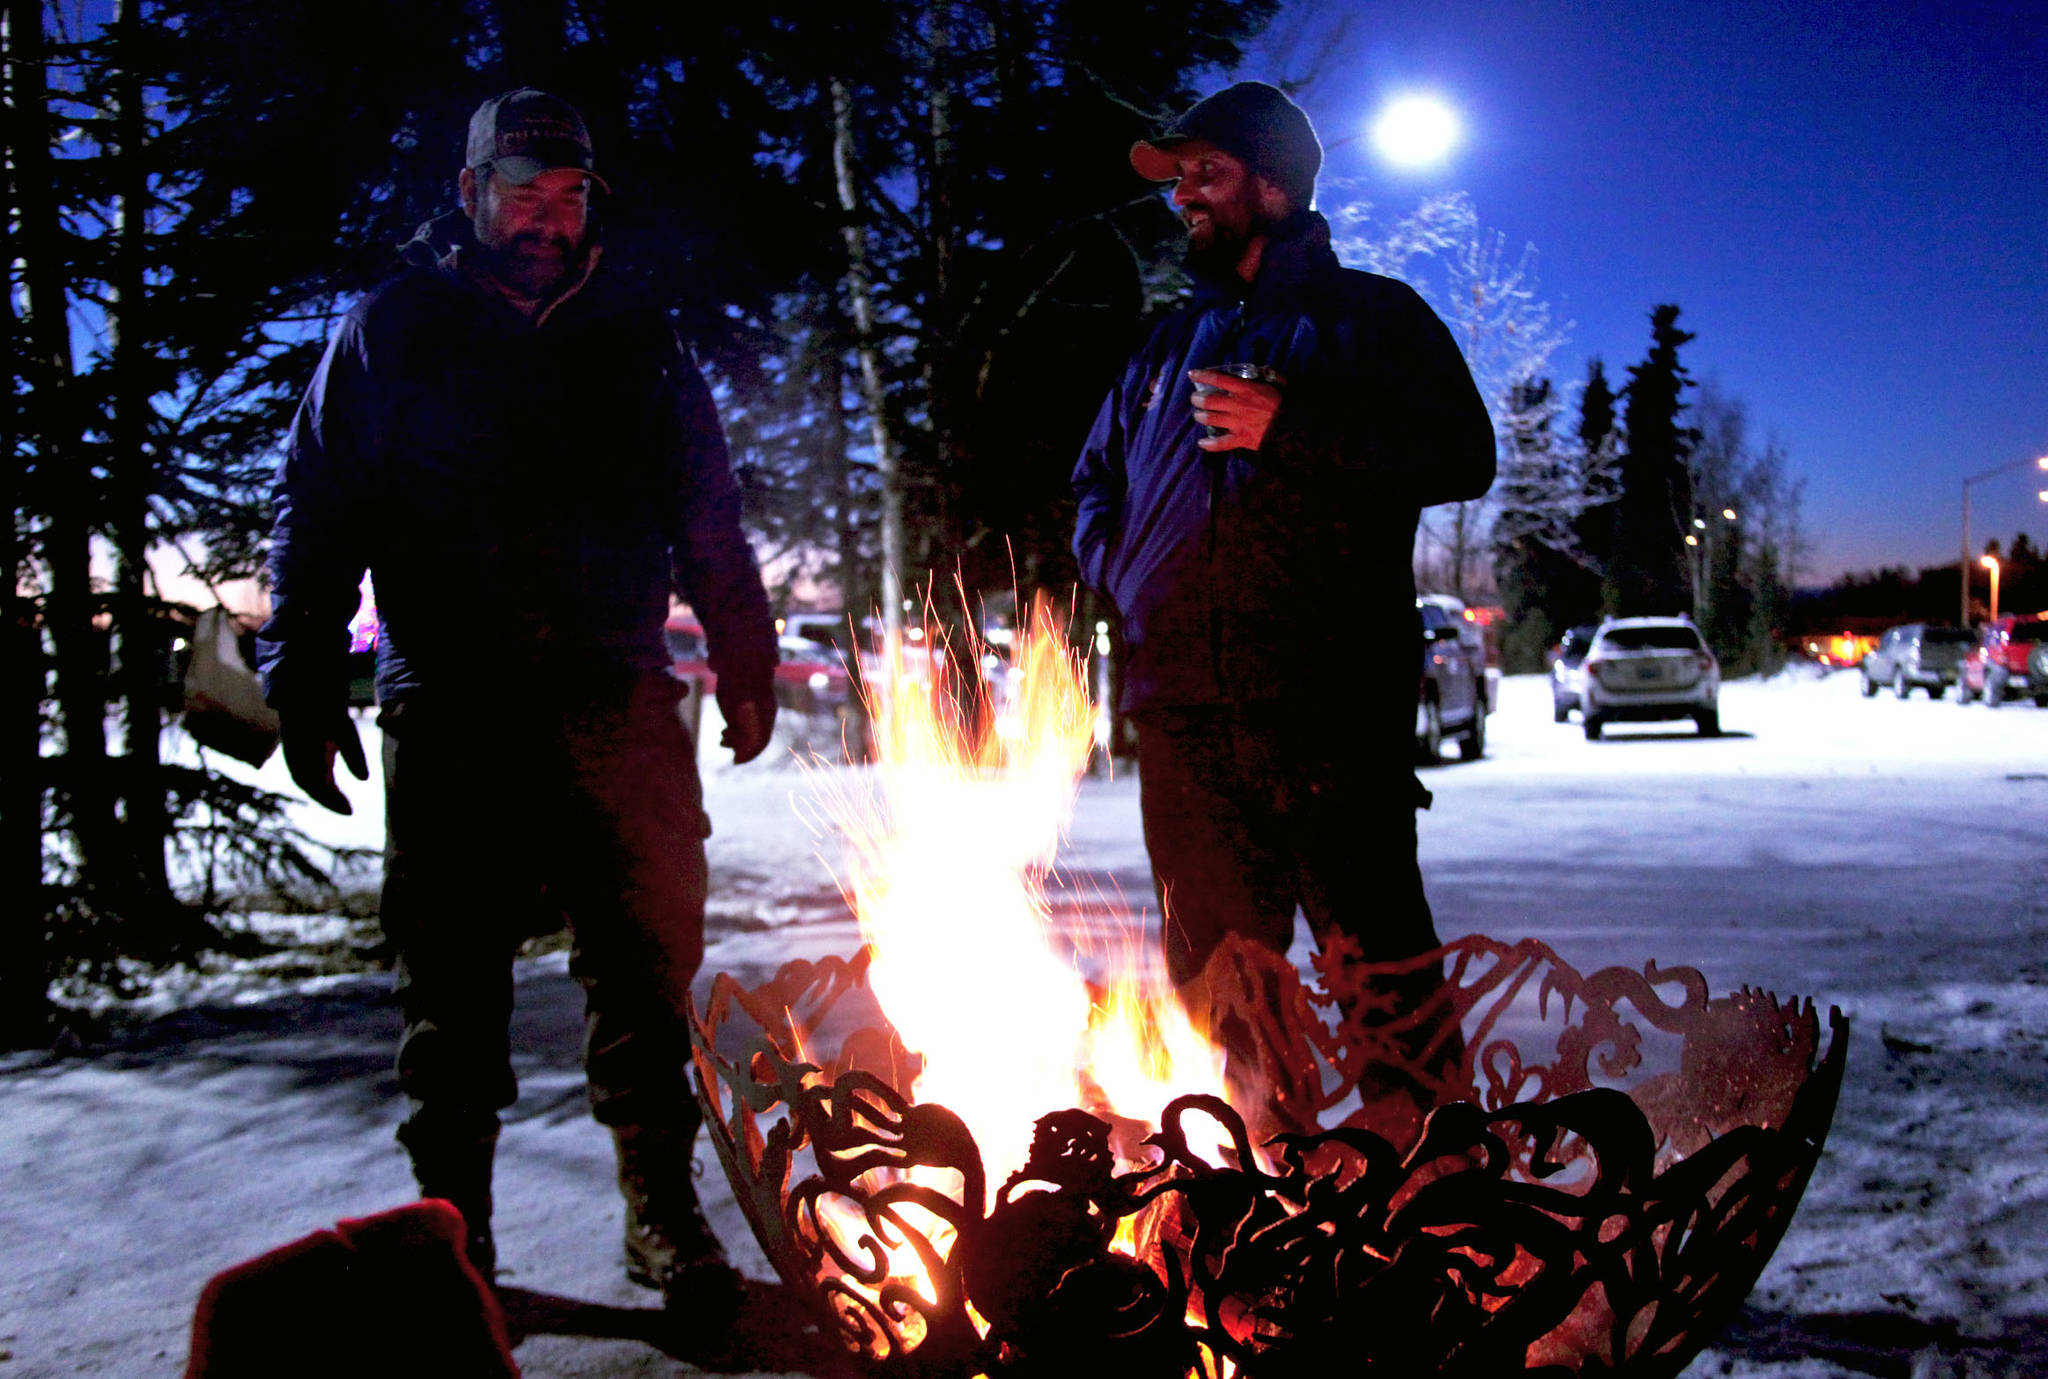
[[1478, 1163]]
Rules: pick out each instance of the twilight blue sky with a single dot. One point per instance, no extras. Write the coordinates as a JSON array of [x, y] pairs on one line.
[[1849, 201]]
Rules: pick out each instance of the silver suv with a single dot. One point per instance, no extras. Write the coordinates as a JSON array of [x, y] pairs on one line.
[[1568, 671], [1650, 668], [1916, 656]]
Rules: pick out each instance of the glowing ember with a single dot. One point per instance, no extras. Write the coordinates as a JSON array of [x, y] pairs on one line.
[[947, 872]]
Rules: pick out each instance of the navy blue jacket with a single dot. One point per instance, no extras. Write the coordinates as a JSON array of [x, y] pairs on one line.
[[526, 495], [1243, 576]]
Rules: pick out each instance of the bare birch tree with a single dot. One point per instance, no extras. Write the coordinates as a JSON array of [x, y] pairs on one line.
[[1493, 305]]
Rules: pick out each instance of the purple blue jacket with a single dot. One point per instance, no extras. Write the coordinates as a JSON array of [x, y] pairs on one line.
[[526, 496], [1243, 576]]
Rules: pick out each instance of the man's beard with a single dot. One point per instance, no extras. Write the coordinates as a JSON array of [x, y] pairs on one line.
[[525, 263], [1218, 252]]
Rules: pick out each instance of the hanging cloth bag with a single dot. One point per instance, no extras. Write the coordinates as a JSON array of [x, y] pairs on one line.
[[224, 707]]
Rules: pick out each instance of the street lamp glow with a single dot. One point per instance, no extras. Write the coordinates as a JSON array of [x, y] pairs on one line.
[[1415, 131]]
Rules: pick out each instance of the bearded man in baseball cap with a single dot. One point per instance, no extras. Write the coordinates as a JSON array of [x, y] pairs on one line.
[[514, 443], [1262, 463]]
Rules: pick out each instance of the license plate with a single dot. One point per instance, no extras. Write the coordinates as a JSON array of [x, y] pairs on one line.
[[1648, 673]]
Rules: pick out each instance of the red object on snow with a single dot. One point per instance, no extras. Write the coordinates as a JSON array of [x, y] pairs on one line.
[[388, 1295]]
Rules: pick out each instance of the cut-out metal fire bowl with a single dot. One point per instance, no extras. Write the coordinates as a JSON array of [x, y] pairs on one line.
[[1480, 1163]]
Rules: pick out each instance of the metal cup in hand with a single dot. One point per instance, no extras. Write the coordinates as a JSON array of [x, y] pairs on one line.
[[1258, 373]]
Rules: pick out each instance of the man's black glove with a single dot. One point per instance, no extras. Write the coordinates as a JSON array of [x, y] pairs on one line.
[[312, 738], [749, 724]]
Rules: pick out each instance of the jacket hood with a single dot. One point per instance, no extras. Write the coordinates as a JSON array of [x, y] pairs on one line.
[[435, 239], [437, 243]]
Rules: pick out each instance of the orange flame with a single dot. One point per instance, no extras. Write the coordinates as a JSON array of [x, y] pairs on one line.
[[947, 873]]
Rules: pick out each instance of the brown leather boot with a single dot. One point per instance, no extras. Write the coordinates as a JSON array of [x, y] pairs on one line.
[[669, 1244]]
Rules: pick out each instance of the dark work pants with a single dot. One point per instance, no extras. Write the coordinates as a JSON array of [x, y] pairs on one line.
[[505, 819], [1251, 810]]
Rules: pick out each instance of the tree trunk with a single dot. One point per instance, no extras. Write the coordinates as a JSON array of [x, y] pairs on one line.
[[827, 382], [939, 338], [73, 605], [34, 355], [860, 294], [1461, 546], [138, 638]]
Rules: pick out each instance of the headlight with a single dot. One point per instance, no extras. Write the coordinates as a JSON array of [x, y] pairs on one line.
[[819, 679]]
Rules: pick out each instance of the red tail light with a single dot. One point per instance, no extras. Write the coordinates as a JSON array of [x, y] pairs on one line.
[[1594, 667], [1706, 662]]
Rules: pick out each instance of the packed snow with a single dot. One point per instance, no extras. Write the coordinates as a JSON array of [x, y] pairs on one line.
[[1879, 855]]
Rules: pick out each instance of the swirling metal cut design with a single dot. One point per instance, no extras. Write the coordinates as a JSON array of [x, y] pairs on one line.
[[1406, 1190]]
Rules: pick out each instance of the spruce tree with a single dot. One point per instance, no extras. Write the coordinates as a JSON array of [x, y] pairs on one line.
[[1599, 447], [1648, 574], [1596, 408]]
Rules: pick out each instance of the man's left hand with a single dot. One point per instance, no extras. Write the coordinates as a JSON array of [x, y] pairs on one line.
[[1243, 410], [747, 730]]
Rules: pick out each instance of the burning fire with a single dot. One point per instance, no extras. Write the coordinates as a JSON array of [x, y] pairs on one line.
[[947, 872]]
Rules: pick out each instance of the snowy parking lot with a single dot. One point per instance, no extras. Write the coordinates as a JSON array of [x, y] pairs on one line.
[[1884, 856]]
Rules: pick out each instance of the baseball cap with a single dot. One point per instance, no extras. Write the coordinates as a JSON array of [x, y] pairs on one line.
[[526, 132], [1250, 120]]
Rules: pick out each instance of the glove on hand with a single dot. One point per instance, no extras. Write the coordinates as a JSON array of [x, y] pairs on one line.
[[747, 729], [312, 738]]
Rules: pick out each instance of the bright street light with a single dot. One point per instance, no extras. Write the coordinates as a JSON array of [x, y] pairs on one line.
[[1963, 565], [1990, 562], [1415, 131]]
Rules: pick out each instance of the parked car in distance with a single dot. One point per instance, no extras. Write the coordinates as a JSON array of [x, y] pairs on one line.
[[1451, 698], [1913, 656], [833, 629], [1839, 650], [810, 677], [2010, 658], [1568, 671], [688, 654], [1645, 669]]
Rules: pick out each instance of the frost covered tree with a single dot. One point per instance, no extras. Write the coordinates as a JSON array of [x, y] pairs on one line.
[[1745, 520], [1508, 332], [1551, 486], [1548, 487]]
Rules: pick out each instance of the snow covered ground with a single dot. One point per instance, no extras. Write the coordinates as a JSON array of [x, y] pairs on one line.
[[1883, 856]]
